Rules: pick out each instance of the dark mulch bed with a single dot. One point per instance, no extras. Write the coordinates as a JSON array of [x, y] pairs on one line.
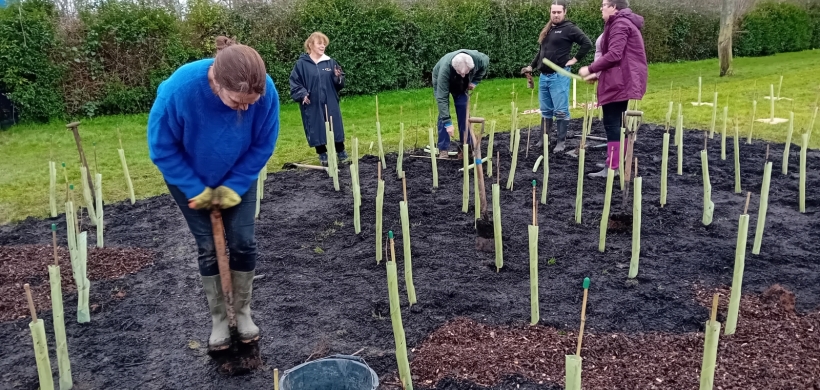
[[29, 264], [773, 348], [323, 292]]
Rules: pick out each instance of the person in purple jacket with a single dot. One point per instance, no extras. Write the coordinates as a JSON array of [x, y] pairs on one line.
[[621, 71], [212, 128]]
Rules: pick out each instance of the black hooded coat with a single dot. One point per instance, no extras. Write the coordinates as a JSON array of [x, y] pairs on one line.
[[319, 83]]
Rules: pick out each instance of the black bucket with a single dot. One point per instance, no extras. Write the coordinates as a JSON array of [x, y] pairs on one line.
[[337, 372]]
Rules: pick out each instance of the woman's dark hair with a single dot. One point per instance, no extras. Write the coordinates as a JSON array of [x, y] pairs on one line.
[[239, 68]]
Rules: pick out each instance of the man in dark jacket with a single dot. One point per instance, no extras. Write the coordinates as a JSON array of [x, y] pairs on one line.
[[556, 41], [623, 72], [455, 74]]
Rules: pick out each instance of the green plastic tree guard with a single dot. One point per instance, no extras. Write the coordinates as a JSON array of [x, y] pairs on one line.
[[764, 206], [511, 178], [636, 228], [579, 191], [788, 144], [802, 203], [535, 312], [664, 168], [379, 210], [573, 372], [63, 363], [610, 176], [398, 328], [499, 245], [737, 279], [710, 347], [408, 262], [708, 205]]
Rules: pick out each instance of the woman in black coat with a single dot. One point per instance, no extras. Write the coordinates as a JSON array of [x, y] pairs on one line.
[[315, 82]]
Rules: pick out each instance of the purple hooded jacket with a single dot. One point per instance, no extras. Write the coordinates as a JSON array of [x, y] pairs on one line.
[[622, 67]]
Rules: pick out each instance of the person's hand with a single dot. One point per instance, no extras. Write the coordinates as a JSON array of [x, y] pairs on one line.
[[306, 100], [201, 201], [471, 86], [571, 62], [584, 72], [225, 198], [527, 69], [337, 71], [450, 130]]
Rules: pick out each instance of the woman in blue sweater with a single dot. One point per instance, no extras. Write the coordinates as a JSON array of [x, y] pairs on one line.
[[212, 128]]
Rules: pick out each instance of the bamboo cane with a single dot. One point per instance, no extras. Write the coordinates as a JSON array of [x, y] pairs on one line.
[[583, 318]]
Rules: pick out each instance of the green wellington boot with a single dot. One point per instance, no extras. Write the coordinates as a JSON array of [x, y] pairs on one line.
[[220, 333], [242, 289]]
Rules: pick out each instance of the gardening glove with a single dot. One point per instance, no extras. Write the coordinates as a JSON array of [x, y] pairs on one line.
[[201, 201], [225, 197]]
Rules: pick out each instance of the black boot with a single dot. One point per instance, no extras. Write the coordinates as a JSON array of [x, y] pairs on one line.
[[562, 135], [546, 126]]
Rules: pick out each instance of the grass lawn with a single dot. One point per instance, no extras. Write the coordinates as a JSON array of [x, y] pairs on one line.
[[26, 149]]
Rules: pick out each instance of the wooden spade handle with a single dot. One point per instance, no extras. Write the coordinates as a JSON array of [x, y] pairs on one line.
[[222, 262], [30, 303]]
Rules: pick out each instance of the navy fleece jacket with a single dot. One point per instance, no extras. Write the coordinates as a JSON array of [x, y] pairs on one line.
[[197, 141]]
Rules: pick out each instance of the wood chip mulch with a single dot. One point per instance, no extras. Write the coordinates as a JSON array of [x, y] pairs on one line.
[[29, 264], [773, 348]]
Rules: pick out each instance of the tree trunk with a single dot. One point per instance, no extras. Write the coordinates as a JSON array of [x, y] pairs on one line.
[[727, 20]]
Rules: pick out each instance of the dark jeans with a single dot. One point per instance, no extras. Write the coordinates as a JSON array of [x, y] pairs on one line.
[[239, 229], [612, 119], [340, 147], [460, 101]]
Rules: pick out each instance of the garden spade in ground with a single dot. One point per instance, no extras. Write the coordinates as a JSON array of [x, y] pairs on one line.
[[240, 357]]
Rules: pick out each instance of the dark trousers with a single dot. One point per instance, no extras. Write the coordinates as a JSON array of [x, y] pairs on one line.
[[239, 229], [612, 119], [460, 102], [340, 147]]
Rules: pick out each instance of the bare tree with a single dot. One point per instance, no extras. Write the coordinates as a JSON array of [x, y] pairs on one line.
[[727, 21]]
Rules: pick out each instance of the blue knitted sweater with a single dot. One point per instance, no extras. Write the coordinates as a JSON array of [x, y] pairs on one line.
[[197, 141]]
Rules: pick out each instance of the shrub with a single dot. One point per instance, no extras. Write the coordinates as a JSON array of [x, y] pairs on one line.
[[29, 71], [112, 58], [774, 28]]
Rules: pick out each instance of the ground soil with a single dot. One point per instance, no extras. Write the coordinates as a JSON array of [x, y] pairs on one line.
[[323, 292]]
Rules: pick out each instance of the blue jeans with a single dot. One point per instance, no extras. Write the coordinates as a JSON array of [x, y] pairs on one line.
[[460, 102], [553, 95], [239, 229]]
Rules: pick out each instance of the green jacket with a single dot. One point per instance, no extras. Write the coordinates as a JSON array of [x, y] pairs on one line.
[[441, 79]]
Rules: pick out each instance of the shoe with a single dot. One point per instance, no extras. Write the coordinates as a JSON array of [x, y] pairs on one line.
[[546, 127], [562, 135], [220, 338], [323, 159], [602, 173], [341, 156], [242, 289], [443, 154]]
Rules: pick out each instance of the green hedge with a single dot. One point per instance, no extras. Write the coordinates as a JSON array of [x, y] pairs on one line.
[[112, 57], [775, 28]]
